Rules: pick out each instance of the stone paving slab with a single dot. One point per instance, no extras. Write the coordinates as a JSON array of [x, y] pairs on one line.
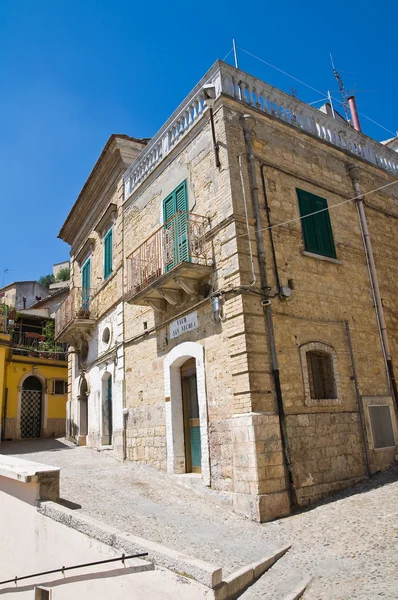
[[348, 545]]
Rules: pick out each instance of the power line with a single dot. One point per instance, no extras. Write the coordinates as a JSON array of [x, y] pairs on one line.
[[225, 57], [313, 89], [324, 209]]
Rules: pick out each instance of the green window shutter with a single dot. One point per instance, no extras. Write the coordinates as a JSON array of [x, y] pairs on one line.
[[108, 254], [176, 250], [317, 229], [86, 282], [182, 225]]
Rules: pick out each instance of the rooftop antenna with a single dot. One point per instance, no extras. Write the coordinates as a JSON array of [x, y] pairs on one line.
[[4, 274], [342, 90], [235, 54]]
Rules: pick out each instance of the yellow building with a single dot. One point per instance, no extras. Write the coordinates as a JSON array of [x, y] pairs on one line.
[[33, 378]]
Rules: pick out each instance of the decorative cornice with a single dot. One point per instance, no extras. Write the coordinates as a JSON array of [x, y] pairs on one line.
[[108, 217], [85, 250]]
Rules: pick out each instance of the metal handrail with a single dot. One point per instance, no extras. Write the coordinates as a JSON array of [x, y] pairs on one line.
[[165, 225], [81, 566]]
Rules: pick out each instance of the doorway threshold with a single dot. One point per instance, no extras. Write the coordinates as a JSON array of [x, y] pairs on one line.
[[101, 448]]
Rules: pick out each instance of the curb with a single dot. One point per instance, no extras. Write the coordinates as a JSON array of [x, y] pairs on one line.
[[299, 589], [205, 573]]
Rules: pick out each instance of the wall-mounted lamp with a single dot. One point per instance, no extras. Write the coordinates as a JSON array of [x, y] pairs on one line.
[[209, 91], [215, 303]]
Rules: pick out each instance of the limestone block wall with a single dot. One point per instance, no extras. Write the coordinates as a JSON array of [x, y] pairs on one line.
[[326, 441]]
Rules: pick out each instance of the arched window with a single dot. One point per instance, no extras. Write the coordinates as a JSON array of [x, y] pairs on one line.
[[320, 374]]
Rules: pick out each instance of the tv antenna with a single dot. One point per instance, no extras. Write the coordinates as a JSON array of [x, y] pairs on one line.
[[342, 90]]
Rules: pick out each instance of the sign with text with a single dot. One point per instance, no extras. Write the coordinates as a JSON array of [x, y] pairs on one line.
[[184, 324]]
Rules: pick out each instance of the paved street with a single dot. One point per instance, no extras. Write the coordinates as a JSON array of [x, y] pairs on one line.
[[348, 545]]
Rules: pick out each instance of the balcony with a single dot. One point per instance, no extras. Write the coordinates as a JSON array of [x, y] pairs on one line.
[[76, 316], [175, 259], [27, 343]]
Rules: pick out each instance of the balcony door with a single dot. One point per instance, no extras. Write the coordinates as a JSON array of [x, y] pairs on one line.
[[175, 229], [86, 283]]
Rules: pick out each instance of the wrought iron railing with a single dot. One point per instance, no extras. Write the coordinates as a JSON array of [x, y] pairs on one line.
[[181, 239], [79, 304], [28, 343]]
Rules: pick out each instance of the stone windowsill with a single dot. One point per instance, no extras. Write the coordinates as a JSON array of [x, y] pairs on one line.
[[336, 261]]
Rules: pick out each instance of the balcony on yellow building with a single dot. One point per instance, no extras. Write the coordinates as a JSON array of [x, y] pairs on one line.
[[175, 259], [76, 316]]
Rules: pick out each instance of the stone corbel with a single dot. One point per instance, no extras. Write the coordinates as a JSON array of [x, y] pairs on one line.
[[173, 297], [157, 304], [189, 286]]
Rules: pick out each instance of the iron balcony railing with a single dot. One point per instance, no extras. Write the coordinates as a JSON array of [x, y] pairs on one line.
[[80, 304], [28, 343], [181, 239]]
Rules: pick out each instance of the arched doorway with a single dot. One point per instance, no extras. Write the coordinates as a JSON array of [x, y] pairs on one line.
[[31, 407], [186, 361], [107, 412], [190, 409], [83, 410]]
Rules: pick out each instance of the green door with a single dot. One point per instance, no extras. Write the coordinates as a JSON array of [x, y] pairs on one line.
[[193, 450], [86, 281], [176, 229]]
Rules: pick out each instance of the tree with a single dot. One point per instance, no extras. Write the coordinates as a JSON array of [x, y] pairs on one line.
[[63, 274], [45, 280]]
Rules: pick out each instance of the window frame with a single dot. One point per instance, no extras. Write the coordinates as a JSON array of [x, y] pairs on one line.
[[316, 229], [320, 347]]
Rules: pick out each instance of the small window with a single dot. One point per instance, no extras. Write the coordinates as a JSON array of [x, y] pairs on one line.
[[381, 424], [60, 387], [106, 335], [317, 229], [108, 254], [321, 375], [42, 593]]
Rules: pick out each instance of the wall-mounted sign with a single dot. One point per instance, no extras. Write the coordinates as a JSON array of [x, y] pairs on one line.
[[184, 324]]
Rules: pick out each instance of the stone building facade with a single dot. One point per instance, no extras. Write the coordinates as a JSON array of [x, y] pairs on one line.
[[245, 346]]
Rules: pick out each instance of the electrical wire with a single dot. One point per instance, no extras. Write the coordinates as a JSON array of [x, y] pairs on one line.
[[325, 209], [225, 57], [314, 89]]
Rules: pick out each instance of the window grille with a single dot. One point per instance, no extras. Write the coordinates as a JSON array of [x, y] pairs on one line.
[[321, 375], [381, 424]]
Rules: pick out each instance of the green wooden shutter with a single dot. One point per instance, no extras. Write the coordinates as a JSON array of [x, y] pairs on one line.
[[86, 282], [317, 229], [176, 249], [108, 254], [182, 225]]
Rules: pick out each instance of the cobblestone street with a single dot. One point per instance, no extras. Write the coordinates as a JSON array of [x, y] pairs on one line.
[[348, 545]]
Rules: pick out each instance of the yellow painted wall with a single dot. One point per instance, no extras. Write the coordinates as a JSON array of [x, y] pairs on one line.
[[12, 370], [3, 356]]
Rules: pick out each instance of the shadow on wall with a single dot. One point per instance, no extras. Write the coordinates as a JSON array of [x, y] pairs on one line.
[[68, 580]]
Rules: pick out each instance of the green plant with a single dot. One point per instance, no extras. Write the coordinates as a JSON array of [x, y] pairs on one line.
[[46, 280], [63, 274]]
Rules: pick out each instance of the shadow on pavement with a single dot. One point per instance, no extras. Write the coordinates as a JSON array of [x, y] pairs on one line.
[[17, 447]]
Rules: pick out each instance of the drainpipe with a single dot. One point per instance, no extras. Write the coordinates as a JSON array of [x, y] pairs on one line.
[[248, 123], [353, 171], [358, 394]]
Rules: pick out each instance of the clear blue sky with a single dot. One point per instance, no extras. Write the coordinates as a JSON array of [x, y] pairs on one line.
[[75, 71]]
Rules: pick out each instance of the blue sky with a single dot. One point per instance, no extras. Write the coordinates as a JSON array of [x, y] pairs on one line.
[[73, 72]]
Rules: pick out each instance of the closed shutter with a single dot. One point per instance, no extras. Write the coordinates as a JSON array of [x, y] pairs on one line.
[[317, 229], [182, 206], [175, 235], [108, 254], [86, 281]]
